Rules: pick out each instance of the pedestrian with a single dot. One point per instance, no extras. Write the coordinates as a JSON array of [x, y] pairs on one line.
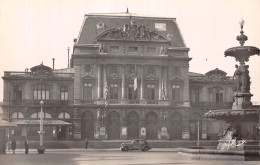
[[26, 146], [86, 143], [13, 146]]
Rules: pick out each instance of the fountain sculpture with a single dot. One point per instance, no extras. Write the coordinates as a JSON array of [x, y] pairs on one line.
[[241, 133]]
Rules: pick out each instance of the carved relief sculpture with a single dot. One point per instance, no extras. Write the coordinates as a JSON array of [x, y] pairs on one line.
[[151, 74], [114, 74]]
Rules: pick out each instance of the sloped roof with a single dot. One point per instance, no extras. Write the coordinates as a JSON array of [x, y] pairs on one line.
[[195, 74], [89, 30], [4, 123]]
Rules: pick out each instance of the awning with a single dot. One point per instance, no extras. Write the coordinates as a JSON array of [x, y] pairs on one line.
[[37, 122], [4, 123]]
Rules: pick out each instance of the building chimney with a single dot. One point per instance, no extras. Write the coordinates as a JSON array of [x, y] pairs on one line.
[[53, 59]]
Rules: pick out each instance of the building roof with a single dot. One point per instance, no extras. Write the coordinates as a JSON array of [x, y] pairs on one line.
[[193, 74], [95, 24], [4, 123]]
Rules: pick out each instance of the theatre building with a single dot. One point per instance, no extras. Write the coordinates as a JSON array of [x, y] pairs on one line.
[[128, 78]]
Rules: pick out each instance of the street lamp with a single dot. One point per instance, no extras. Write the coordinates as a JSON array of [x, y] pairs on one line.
[[41, 148]]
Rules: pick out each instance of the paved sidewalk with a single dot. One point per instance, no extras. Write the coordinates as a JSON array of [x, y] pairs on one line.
[[21, 151]]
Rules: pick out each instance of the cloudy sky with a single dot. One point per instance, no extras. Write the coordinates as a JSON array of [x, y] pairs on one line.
[[32, 31]]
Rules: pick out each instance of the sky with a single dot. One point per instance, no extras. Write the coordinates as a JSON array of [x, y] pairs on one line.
[[35, 31]]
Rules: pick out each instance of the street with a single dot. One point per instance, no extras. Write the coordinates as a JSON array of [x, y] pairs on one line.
[[107, 157]]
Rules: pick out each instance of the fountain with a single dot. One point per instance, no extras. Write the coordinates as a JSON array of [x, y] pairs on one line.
[[243, 117], [239, 140]]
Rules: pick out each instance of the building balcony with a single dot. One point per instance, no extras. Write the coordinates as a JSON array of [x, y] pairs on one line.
[[37, 102]]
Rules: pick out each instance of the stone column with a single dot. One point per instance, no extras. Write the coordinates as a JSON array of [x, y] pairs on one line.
[[55, 89], [123, 83], [160, 83], [77, 124], [99, 81], [186, 99], [77, 86], [27, 91]]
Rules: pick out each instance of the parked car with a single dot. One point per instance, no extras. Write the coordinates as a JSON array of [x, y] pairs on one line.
[[136, 144]]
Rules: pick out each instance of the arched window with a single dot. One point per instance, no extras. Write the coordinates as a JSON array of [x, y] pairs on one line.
[[64, 115], [36, 115], [17, 115], [41, 92]]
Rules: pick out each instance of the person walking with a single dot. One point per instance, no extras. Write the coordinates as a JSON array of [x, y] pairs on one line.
[[86, 143], [13, 146], [26, 146]]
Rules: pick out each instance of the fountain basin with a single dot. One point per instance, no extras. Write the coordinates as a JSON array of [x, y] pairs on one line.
[[229, 115], [242, 53], [214, 154]]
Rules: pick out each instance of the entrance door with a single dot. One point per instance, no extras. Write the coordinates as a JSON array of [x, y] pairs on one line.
[[113, 125], [61, 132], [87, 126], [132, 125], [175, 126], [152, 130]]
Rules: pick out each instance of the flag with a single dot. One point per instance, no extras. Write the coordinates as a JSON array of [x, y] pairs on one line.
[[135, 88], [163, 89], [106, 90], [106, 87], [135, 84]]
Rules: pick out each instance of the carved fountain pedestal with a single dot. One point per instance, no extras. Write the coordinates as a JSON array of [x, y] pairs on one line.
[[242, 133]]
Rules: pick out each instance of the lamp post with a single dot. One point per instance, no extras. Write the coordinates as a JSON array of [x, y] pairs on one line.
[[198, 142], [41, 148]]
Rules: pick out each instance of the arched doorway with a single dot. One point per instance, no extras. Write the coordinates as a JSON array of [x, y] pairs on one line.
[[195, 121], [175, 126], [113, 125], [152, 130], [87, 126], [132, 125]]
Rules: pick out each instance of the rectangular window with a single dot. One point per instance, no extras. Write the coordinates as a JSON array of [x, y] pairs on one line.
[[18, 94], [41, 92], [87, 91], [195, 96], [176, 92], [64, 93], [131, 92], [151, 50], [114, 49], [113, 91], [150, 92], [133, 49]]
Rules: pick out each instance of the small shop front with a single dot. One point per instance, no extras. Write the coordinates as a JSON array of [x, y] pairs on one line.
[[54, 130]]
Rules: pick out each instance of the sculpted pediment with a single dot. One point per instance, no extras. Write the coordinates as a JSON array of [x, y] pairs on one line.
[[132, 32], [88, 76], [41, 71], [216, 75]]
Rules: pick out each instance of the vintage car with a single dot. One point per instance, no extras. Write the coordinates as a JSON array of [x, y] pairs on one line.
[[136, 144]]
